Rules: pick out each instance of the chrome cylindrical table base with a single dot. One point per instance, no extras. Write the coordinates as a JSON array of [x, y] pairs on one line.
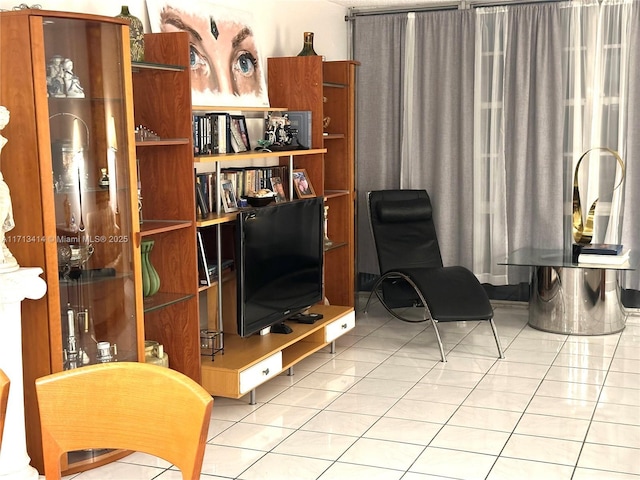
[[576, 301]]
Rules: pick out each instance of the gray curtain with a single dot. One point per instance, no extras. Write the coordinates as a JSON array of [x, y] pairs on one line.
[[533, 122], [440, 128], [379, 46], [631, 223]]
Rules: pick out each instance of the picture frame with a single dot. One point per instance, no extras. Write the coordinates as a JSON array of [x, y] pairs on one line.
[[239, 134], [228, 196], [278, 188], [302, 184]]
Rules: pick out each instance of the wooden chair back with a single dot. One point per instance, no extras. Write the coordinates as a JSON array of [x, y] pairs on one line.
[[4, 398], [124, 405]]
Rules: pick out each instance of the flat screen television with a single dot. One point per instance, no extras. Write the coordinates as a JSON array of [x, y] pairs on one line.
[[279, 258]]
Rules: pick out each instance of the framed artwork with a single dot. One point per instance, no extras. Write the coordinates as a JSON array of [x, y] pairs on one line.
[[227, 66], [302, 185], [229, 201], [240, 133], [278, 188]]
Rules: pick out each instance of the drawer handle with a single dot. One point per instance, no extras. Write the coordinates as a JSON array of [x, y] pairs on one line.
[[344, 326], [265, 371]]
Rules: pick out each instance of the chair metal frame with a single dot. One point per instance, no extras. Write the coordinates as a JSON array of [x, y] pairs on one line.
[[393, 274]]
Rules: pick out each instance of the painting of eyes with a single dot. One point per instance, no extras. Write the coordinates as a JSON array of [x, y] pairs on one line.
[[225, 61]]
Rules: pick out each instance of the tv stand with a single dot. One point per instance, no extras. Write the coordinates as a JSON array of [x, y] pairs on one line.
[[249, 362]]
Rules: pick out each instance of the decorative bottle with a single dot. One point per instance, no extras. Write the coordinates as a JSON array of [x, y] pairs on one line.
[[150, 277], [307, 48], [136, 34]]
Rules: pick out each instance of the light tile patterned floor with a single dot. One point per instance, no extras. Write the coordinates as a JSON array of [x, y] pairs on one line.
[[383, 407]]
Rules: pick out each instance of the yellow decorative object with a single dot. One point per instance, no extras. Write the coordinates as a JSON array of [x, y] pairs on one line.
[[583, 232]]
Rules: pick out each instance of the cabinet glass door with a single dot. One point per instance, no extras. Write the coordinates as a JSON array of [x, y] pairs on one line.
[[90, 166]]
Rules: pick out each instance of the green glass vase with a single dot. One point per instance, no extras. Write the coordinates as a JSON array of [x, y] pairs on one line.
[[150, 277], [307, 48], [136, 34]]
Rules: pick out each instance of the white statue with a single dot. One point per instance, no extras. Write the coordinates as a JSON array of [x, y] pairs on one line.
[[71, 82], [8, 262]]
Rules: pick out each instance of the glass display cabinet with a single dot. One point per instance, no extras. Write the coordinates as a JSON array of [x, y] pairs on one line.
[[70, 165]]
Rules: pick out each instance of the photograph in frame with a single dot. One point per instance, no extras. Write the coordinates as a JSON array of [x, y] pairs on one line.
[[302, 184], [237, 142], [278, 188], [227, 65], [229, 201], [239, 125]]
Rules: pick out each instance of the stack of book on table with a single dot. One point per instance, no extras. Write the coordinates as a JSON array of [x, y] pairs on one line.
[[604, 254]]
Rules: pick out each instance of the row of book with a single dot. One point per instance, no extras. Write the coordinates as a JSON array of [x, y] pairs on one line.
[[215, 132], [601, 253], [243, 180]]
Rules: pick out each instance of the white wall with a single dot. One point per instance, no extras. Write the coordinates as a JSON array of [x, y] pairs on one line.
[[279, 24]]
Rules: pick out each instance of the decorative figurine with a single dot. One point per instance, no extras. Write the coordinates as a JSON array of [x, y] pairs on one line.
[[8, 262], [55, 77], [104, 178], [71, 82]]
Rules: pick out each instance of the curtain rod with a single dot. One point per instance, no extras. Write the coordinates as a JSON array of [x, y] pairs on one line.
[[433, 6]]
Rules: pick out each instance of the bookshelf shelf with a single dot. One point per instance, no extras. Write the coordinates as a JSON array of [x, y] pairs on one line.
[[164, 142], [235, 157], [154, 227]]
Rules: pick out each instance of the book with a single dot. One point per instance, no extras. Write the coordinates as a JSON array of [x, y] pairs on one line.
[[606, 259], [209, 273], [201, 201], [602, 249]]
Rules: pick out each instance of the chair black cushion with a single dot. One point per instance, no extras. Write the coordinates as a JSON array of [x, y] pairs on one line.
[[452, 293], [402, 211]]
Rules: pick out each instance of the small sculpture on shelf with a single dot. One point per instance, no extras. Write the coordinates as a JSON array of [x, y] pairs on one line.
[[103, 181], [55, 77], [263, 145], [61, 81], [144, 134], [327, 241], [8, 262], [72, 86], [280, 134]]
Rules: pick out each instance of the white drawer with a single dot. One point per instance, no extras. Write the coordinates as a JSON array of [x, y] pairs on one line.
[[339, 327], [260, 372]]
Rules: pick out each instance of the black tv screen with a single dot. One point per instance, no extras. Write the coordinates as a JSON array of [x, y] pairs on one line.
[[279, 262]]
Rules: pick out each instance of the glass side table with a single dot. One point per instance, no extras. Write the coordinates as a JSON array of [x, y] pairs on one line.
[[572, 298]]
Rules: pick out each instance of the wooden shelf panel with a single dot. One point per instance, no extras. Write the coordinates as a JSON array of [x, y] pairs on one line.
[[153, 227], [164, 299], [138, 66], [336, 193], [236, 108], [335, 246], [162, 142], [216, 219], [235, 157]]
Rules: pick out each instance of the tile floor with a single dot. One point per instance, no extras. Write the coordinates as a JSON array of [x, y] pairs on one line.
[[384, 407]]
